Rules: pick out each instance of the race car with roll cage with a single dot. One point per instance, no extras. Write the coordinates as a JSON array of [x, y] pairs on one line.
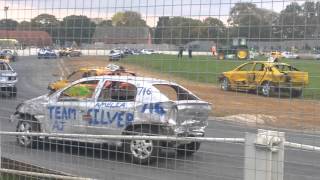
[[267, 78], [47, 53], [69, 52], [111, 69], [118, 105], [9, 55], [8, 79]]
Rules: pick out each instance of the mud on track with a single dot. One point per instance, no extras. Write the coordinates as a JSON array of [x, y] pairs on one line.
[[300, 114]]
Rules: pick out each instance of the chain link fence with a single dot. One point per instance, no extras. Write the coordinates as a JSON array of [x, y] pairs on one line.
[[159, 89]]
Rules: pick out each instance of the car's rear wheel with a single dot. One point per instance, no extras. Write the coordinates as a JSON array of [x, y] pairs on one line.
[[225, 84], [28, 126], [267, 89], [142, 151]]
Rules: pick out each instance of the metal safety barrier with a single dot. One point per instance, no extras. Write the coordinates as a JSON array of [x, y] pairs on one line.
[[264, 151], [43, 175]]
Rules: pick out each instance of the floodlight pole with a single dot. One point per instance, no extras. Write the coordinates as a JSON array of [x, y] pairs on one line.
[[6, 8]]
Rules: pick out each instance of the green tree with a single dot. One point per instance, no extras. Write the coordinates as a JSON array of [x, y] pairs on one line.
[[77, 28], [247, 20], [214, 29], [48, 23], [292, 22], [105, 23], [178, 30], [161, 29], [311, 17], [128, 18], [8, 24]]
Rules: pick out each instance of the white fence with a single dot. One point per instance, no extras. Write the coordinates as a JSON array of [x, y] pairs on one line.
[[99, 52]]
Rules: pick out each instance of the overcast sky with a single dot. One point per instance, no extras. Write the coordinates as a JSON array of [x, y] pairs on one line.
[[150, 9]]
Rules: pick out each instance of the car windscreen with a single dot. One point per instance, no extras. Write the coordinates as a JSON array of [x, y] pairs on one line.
[[175, 93], [283, 68]]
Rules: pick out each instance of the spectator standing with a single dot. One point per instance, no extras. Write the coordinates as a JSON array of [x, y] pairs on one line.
[[180, 52], [190, 52]]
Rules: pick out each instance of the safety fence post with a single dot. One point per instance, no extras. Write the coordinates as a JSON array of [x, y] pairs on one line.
[[264, 155]]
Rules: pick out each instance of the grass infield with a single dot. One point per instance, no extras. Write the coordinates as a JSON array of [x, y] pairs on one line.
[[206, 69]]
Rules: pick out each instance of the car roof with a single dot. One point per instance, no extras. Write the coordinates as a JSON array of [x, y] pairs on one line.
[[132, 79], [270, 63], [91, 68]]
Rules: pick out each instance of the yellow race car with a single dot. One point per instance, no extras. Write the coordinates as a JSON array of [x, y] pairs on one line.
[[266, 78], [88, 72]]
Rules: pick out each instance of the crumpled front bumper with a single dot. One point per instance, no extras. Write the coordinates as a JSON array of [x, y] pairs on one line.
[[9, 83]]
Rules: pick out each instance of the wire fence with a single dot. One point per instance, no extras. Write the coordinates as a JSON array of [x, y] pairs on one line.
[[159, 89]]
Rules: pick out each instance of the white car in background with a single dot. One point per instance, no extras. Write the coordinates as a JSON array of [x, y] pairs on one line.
[[118, 105], [148, 51], [8, 79], [289, 55]]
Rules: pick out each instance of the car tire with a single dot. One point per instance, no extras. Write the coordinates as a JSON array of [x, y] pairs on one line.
[[225, 84], [267, 89], [295, 93], [142, 151], [28, 125], [188, 149]]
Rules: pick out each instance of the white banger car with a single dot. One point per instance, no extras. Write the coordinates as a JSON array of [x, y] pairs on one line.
[[8, 79], [117, 105]]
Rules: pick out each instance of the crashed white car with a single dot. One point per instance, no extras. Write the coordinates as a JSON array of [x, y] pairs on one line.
[[289, 55], [118, 105], [8, 79]]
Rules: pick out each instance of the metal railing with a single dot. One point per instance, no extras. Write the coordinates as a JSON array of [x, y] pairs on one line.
[[264, 151]]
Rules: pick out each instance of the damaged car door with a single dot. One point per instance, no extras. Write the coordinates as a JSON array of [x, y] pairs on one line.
[[67, 109]]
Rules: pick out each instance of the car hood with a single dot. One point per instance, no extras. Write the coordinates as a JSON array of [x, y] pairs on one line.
[[34, 106], [115, 54], [8, 73]]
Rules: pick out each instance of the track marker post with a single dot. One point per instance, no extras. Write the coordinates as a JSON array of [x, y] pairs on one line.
[[264, 155]]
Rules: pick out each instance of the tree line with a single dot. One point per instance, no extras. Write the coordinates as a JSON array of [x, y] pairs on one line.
[[247, 20]]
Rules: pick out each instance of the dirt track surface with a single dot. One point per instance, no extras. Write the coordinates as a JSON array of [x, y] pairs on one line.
[[299, 114]]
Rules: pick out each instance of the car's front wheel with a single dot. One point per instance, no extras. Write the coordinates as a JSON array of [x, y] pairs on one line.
[[142, 151], [28, 126], [225, 84]]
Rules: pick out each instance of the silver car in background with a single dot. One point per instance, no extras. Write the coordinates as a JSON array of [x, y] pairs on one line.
[[8, 79]]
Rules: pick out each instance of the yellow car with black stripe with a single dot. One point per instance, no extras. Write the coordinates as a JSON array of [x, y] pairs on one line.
[[267, 78]]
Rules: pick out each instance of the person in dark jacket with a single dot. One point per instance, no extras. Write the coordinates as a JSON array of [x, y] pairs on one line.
[[190, 52], [180, 53]]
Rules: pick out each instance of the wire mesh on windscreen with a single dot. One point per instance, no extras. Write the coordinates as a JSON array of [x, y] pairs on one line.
[[159, 89]]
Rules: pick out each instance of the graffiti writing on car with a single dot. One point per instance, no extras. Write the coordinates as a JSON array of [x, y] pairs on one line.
[[144, 91], [100, 105], [60, 115], [102, 117], [153, 108]]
